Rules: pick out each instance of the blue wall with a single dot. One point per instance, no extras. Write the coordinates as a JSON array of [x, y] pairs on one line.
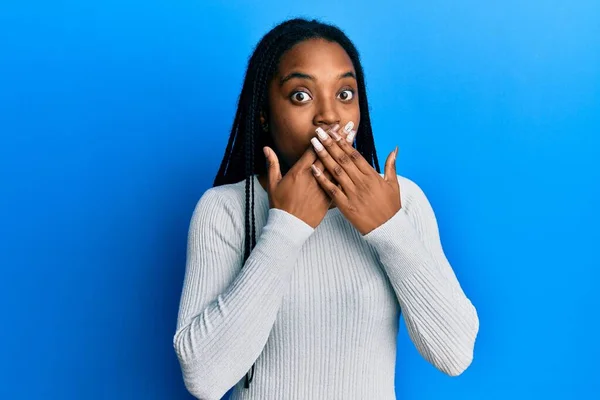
[[113, 120]]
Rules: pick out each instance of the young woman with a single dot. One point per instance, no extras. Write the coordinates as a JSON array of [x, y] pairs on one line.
[[311, 309]]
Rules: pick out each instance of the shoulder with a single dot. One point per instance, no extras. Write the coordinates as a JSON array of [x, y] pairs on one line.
[[410, 190], [413, 198], [221, 206]]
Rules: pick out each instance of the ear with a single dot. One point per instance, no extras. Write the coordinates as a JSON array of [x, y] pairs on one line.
[[262, 118]]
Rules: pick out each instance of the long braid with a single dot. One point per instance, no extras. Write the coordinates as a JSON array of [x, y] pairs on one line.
[[249, 172], [251, 128], [261, 81], [244, 146]]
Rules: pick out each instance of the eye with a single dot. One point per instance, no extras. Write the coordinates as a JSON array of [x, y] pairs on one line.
[[346, 95], [300, 97]]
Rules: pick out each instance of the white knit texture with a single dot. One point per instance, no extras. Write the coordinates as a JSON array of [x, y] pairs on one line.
[[317, 310]]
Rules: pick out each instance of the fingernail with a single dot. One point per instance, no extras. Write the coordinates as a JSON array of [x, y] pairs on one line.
[[266, 151], [349, 127], [335, 136], [395, 153], [335, 127], [316, 170], [322, 134], [316, 144], [350, 137]]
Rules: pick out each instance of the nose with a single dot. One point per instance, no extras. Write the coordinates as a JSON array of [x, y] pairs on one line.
[[326, 114]]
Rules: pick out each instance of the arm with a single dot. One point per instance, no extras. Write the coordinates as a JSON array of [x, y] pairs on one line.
[[442, 322], [225, 314]]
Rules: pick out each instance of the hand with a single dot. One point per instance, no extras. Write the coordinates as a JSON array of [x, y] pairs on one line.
[[317, 163], [297, 192], [366, 199]]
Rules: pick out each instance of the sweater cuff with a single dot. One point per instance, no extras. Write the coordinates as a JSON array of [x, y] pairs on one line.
[[397, 239]]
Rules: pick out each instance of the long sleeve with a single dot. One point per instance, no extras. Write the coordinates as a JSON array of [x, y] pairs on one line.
[[227, 312], [441, 321]]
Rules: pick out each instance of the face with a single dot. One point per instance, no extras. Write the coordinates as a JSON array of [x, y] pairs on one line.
[[315, 86]]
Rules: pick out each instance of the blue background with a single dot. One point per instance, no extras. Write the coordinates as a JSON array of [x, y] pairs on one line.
[[114, 117]]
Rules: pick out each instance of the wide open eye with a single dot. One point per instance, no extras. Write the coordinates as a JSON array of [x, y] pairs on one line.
[[346, 95], [300, 97]]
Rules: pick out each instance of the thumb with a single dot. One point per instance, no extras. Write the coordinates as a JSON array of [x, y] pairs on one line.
[[390, 167], [273, 169]]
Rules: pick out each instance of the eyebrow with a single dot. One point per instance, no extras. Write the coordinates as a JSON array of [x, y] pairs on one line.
[[301, 75]]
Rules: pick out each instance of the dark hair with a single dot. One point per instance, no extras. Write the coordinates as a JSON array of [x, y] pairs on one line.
[[248, 138]]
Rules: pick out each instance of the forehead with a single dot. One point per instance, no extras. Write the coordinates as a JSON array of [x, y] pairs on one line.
[[316, 57]]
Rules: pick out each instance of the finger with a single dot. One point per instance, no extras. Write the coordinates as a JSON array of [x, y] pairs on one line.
[[350, 137], [334, 192], [327, 149], [305, 161], [349, 132], [273, 168], [345, 135], [321, 167], [339, 153], [319, 164], [342, 132], [390, 167], [310, 156], [336, 128], [358, 161]]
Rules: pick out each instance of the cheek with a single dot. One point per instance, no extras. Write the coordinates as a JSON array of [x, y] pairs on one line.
[[289, 122], [353, 115], [357, 115], [289, 134]]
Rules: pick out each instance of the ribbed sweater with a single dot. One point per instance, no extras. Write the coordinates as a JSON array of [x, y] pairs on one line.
[[316, 310]]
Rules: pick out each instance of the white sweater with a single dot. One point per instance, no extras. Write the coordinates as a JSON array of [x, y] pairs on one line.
[[317, 310]]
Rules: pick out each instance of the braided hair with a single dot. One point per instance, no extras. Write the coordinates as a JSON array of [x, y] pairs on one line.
[[247, 138]]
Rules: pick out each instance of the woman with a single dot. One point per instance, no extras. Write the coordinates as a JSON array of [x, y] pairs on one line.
[[312, 307]]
